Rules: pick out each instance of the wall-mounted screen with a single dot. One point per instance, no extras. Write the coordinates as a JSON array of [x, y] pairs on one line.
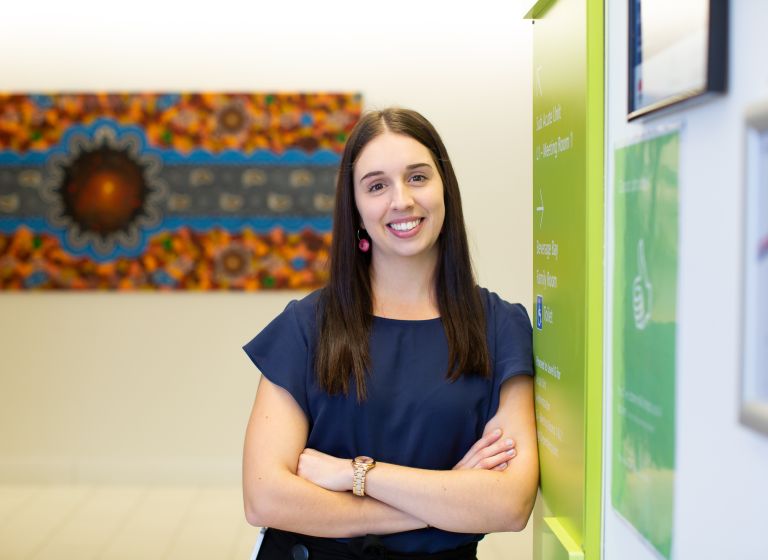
[[677, 51]]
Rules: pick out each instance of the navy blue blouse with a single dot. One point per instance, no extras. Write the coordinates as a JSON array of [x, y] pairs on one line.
[[413, 416]]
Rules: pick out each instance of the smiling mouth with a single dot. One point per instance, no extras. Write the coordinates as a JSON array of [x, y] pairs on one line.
[[405, 226]]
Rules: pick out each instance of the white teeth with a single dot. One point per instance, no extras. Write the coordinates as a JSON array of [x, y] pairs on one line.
[[405, 226]]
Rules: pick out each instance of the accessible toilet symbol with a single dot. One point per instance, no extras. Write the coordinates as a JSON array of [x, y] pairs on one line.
[[539, 312]]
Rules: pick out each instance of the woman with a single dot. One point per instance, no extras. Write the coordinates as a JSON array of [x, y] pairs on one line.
[[397, 401]]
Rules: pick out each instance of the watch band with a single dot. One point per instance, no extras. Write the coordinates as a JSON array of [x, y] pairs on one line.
[[360, 467]]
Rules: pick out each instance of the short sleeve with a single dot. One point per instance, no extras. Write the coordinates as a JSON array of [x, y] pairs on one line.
[[514, 342], [511, 342], [281, 352]]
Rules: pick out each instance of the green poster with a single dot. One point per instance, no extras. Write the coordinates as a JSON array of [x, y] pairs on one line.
[[644, 326]]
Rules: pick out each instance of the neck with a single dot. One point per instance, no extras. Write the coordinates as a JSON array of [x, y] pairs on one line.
[[404, 288]]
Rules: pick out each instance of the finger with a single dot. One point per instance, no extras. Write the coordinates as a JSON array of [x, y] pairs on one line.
[[500, 467], [494, 461], [490, 463], [490, 451], [484, 441], [301, 467]]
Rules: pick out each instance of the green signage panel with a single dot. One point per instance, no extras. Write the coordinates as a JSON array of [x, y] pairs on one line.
[[559, 257], [567, 269], [644, 326], [556, 542]]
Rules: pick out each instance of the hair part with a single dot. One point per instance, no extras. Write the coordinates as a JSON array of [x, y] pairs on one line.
[[345, 314]]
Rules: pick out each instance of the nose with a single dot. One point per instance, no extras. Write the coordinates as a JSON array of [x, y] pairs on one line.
[[402, 198]]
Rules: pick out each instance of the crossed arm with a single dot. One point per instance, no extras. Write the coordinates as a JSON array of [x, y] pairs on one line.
[[305, 491]]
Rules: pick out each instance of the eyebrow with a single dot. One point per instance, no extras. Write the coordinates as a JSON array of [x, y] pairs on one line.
[[408, 167]]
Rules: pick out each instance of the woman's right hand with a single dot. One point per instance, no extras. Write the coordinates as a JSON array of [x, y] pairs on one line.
[[490, 452]]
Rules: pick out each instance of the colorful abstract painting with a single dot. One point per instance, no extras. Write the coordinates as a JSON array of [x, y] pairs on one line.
[[190, 191]]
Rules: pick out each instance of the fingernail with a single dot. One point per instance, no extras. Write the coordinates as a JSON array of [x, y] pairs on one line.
[[497, 432], [509, 442], [503, 466], [511, 452]]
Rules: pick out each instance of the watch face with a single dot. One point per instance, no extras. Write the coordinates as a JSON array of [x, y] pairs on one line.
[[364, 460]]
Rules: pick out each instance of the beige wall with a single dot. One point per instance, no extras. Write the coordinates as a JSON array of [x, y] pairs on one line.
[[154, 387]]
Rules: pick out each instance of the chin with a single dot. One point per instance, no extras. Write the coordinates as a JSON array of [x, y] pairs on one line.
[[412, 253]]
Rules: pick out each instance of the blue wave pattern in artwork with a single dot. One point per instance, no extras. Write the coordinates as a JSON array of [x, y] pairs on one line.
[[200, 190]]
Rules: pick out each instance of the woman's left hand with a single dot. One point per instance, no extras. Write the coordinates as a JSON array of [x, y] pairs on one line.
[[325, 470], [490, 453]]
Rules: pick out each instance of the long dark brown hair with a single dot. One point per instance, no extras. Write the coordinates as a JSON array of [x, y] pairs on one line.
[[346, 302]]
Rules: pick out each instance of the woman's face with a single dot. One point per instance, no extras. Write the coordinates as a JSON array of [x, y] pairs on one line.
[[399, 196]]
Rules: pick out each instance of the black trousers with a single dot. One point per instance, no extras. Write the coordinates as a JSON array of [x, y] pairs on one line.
[[283, 545]]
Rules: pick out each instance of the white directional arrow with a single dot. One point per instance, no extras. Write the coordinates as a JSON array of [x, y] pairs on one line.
[[541, 209]]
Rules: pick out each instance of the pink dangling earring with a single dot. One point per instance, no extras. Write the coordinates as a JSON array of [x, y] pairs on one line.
[[362, 243]]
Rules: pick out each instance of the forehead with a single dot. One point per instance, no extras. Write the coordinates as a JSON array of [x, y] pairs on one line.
[[391, 152]]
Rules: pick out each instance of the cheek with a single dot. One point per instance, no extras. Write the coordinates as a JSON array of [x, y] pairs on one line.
[[438, 209], [441, 219], [362, 209], [368, 213]]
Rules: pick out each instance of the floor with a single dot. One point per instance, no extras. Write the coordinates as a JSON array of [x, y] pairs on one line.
[[61, 522], [123, 522]]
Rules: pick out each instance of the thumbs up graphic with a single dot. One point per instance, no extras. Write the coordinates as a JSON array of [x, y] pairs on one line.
[[642, 290]]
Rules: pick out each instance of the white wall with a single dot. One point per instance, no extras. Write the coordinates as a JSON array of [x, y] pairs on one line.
[[154, 387], [720, 484]]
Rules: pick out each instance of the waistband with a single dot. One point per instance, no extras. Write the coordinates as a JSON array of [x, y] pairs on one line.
[[284, 545]]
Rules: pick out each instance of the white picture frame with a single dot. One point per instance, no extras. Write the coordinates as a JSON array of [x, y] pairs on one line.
[[754, 391]]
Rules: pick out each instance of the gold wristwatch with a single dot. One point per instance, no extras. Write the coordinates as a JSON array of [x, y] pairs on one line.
[[360, 465]]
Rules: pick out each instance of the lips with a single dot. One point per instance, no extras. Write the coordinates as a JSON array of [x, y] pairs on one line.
[[406, 227]]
